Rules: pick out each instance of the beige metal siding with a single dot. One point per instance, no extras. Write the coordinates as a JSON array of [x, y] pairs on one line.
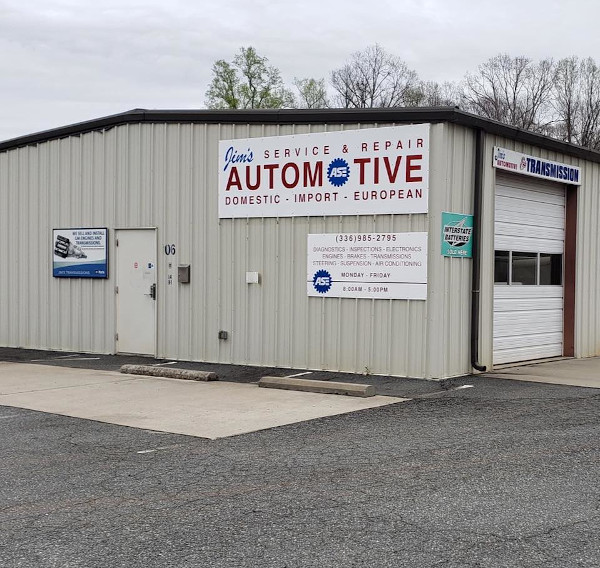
[[587, 302], [587, 294], [449, 292], [165, 176]]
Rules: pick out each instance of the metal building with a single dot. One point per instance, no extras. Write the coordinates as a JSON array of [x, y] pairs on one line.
[[411, 242]]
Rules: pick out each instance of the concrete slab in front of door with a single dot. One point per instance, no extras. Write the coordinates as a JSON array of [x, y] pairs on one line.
[[572, 372], [208, 410]]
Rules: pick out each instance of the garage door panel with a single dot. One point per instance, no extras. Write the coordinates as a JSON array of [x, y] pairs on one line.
[[520, 206], [530, 218], [521, 341], [526, 304], [506, 242], [531, 292], [527, 323], [517, 194], [519, 182], [529, 231], [527, 353], [514, 217]]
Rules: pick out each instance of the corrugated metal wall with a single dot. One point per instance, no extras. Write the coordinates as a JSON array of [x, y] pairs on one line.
[[165, 176], [587, 303]]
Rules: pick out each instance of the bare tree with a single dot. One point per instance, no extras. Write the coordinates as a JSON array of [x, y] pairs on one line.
[[312, 93], [433, 94], [577, 101], [373, 78], [513, 90], [247, 82]]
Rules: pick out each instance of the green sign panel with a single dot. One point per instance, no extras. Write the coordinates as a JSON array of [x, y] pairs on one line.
[[457, 233]]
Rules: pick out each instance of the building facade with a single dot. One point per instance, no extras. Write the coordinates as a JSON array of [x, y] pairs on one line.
[[410, 242]]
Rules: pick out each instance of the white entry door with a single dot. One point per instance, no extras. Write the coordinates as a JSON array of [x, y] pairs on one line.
[[136, 291]]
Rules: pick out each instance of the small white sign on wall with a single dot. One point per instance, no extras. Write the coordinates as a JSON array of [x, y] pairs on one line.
[[367, 265]]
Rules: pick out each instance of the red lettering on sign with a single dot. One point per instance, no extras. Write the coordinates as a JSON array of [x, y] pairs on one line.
[[313, 178], [391, 171], [392, 175], [410, 168], [284, 178], [271, 168], [249, 184], [234, 179]]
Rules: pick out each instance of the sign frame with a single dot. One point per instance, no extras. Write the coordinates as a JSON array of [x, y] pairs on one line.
[[380, 266], [369, 171], [450, 246], [534, 166], [66, 244]]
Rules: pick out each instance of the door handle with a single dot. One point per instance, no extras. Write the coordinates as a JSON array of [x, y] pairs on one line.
[[152, 293]]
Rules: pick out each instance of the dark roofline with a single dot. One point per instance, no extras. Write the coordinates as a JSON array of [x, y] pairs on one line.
[[319, 116]]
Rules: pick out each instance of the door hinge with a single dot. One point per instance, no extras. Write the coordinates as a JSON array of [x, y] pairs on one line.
[[116, 242], [116, 337], [116, 289]]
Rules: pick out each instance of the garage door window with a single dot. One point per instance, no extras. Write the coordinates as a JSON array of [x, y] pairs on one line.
[[550, 269], [517, 268]]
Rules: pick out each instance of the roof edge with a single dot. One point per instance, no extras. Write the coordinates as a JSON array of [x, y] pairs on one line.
[[302, 116]]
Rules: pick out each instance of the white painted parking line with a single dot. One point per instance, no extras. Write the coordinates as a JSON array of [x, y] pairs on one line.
[[66, 358]]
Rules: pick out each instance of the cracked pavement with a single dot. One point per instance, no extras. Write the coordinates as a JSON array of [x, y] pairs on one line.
[[504, 474]]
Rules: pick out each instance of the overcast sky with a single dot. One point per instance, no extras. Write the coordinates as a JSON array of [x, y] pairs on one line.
[[65, 61]]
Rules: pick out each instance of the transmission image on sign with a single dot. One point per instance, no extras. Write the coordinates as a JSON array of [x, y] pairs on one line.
[[457, 233]]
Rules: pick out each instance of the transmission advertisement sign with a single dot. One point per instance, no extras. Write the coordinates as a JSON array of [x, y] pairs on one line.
[[80, 253], [457, 235], [352, 172], [536, 167], [367, 265]]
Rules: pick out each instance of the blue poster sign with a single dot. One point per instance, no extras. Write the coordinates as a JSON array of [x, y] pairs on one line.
[[80, 253]]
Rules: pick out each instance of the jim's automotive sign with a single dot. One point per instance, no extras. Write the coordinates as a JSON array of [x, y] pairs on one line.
[[352, 172]]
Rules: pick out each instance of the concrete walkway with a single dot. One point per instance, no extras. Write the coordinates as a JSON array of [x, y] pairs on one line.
[[208, 410], [572, 372]]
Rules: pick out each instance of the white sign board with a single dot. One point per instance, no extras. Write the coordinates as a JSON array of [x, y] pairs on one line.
[[536, 167], [368, 265], [351, 172]]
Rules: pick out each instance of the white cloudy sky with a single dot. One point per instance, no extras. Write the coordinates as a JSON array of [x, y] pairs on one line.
[[64, 61]]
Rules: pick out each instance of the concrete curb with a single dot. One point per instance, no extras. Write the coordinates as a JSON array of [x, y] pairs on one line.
[[324, 387], [169, 373]]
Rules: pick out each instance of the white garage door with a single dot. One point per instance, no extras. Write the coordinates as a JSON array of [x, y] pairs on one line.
[[528, 290]]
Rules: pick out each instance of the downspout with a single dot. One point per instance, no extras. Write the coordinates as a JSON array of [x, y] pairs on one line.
[[476, 273]]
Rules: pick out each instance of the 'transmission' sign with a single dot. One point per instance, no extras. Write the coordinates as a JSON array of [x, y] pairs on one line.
[[536, 167]]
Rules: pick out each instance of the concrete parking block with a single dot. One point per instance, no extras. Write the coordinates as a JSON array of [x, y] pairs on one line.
[[325, 387], [169, 373]]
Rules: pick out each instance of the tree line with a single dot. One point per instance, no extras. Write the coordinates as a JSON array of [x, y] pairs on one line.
[[560, 98]]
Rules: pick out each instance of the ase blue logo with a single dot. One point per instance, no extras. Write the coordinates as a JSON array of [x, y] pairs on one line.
[[338, 172], [322, 281]]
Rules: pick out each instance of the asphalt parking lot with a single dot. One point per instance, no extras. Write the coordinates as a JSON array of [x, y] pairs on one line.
[[503, 474]]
